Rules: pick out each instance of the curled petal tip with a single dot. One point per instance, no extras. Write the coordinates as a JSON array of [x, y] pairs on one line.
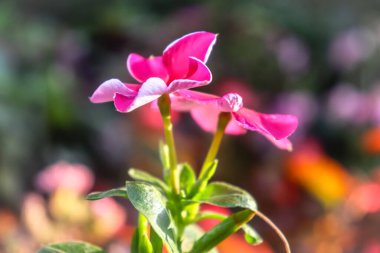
[[234, 101], [106, 91]]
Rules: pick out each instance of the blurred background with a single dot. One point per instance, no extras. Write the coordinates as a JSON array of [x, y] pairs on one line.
[[318, 60]]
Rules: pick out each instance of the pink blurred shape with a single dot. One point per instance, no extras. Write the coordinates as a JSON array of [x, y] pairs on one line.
[[350, 48], [109, 215], [347, 104], [292, 55], [365, 198], [76, 177], [372, 247]]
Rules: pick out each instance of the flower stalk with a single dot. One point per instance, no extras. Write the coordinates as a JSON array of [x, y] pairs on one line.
[[164, 106], [223, 120]]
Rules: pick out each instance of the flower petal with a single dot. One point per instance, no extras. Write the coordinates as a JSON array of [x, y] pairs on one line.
[[284, 144], [184, 84], [207, 119], [106, 91], [198, 71], [152, 89], [185, 100], [273, 125], [143, 68], [176, 55]]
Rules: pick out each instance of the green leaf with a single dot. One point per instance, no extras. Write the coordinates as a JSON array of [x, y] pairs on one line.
[[146, 177], [187, 177], [251, 236], [202, 182], [191, 234], [210, 171], [135, 241], [144, 246], [226, 195], [149, 201], [156, 241], [71, 247], [221, 231], [117, 192]]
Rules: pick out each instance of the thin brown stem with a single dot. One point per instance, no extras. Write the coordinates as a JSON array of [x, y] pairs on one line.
[[276, 229]]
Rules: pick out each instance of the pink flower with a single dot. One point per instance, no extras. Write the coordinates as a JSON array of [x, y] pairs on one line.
[[205, 108], [182, 66]]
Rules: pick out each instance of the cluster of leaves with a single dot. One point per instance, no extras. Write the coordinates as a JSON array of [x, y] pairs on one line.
[[171, 220]]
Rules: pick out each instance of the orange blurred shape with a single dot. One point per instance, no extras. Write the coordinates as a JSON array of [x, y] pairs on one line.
[[371, 141], [237, 243], [36, 218], [8, 223], [319, 174], [365, 198]]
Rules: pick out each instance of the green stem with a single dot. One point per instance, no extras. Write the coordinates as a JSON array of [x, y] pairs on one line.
[[209, 215], [223, 120], [164, 105]]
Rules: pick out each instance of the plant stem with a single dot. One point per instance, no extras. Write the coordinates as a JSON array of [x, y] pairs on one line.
[[209, 215], [164, 105], [276, 229], [223, 120]]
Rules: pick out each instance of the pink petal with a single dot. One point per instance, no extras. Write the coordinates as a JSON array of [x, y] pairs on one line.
[[152, 89], [185, 100], [207, 119], [284, 144], [200, 76], [106, 91], [198, 71], [143, 68], [185, 84], [176, 55], [272, 125]]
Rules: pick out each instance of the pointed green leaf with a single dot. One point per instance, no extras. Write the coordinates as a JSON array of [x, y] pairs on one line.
[[226, 195], [187, 177], [140, 175], [145, 246], [135, 241], [251, 236], [117, 192], [202, 182], [71, 247], [149, 201], [221, 231], [156, 241], [210, 171]]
